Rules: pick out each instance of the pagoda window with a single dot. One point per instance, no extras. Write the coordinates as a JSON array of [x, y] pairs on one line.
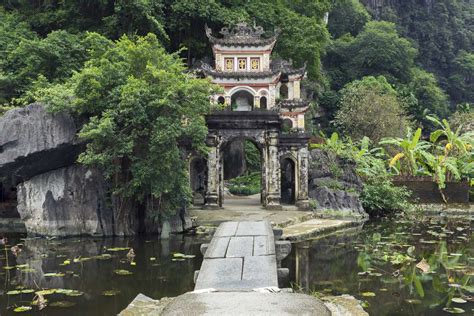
[[242, 62], [284, 91], [255, 63], [229, 64], [242, 101]]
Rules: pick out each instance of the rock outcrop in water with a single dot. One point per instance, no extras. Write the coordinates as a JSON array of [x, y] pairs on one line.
[[34, 141], [56, 197], [64, 202], [334, 184]]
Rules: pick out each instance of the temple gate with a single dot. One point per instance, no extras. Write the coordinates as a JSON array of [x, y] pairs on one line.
[[263, 104]]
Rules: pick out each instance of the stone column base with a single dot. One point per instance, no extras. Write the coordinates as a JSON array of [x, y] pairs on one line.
[[303, 205], [212, 202]]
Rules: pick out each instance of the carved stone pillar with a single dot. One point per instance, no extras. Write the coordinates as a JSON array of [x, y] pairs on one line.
[[302, 200], [273, 172], [213, 178]]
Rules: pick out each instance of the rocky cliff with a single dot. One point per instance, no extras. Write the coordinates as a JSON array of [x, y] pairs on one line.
[[55, 196], [64, 202], [33, 141]]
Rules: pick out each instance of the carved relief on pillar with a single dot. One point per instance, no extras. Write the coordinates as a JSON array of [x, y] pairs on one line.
[[213, 167], [273, 171], [303, 154], [271, 96]]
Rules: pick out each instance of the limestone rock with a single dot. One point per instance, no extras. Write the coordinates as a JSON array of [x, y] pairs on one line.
[[65, 202], [334, 184], [326, 166], [33, 141], [337, 200]]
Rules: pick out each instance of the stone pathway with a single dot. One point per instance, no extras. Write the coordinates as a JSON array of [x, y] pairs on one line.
[[241, 256], [316, 227], [248, 208]]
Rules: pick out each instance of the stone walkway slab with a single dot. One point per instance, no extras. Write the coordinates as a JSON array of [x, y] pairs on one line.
[[241, 256], [246, 303]]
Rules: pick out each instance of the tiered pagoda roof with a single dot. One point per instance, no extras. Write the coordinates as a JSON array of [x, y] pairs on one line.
[[242, 35]]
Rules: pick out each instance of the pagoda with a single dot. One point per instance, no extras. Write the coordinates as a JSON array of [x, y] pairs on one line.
[[251, 80]]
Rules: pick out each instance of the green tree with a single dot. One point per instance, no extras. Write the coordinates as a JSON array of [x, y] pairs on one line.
[[440, 29], [461, 81], [370, 107], [12, 32], [29, 61], [430, 98], [347, 16], [377, 50], [142, 105]]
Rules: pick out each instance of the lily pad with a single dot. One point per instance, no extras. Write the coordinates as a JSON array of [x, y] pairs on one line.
[[458, 300], [54, 274], [15, 292], [118, 249], [122, 272], [189, 256], [21, 309], [46, 292], [454, 310], [110, 292], [368, 294]]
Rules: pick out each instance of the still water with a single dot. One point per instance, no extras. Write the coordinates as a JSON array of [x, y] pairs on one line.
[[376, 264], [94, 268]]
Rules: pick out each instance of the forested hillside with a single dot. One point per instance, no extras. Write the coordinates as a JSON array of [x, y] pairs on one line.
[[421, 48]]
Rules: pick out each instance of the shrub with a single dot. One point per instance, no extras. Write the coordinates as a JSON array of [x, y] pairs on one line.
[[245, 185], [381, 197]]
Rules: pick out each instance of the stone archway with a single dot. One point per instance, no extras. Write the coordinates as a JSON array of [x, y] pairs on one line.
[[233, 167], [263, 129]]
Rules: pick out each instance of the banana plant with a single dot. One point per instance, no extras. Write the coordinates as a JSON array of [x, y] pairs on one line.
[[454, 142], [333, 143], [410, 149]]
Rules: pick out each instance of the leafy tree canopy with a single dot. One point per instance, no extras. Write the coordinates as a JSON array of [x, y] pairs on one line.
[[370, 107], [441, 29], [377, 50], [347, 16], [142, 105]]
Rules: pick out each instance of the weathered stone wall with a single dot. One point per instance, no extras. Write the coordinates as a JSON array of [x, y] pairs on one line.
[[64, 202], [334, 184]]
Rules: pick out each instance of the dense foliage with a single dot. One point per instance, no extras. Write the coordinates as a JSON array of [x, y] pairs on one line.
[[447, 156], [142, 106], [443, 31], [370, 107], [375, 68]]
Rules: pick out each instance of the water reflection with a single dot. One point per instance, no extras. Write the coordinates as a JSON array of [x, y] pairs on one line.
[[379, 266], [87, 265]]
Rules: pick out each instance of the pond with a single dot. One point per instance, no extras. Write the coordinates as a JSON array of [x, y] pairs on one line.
[[87, 276], [94, 276], [378, 265]]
